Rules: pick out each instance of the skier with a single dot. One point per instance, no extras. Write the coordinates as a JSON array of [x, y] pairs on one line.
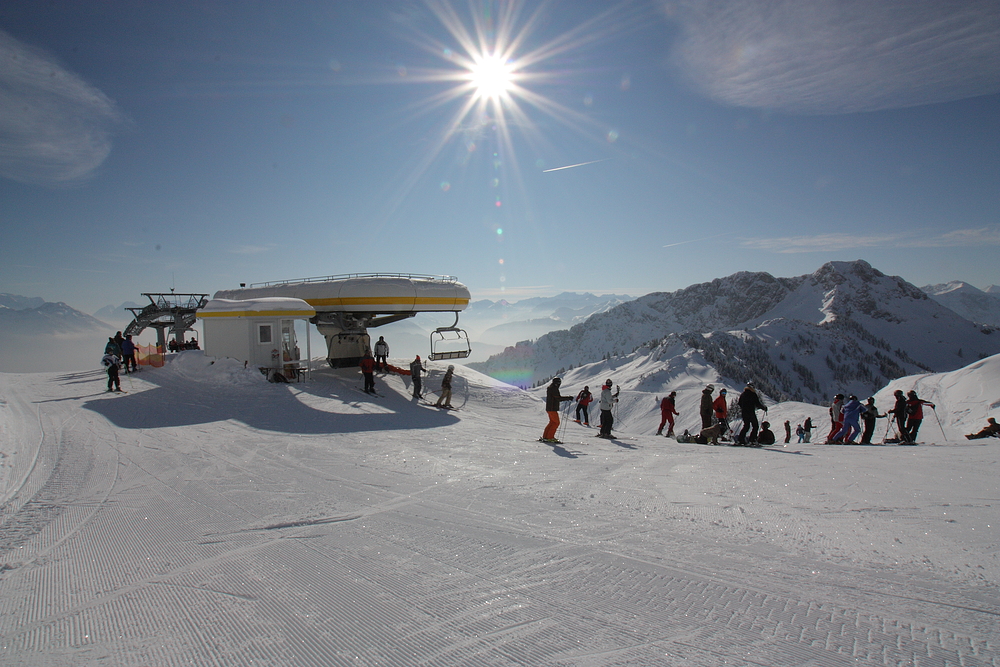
[[367, 365], [607, 402], [119, 341], [721, 408], [766, 435], [668, 410], [111, 364], [112, 347], [583, 401], [868, 416], [915, 414], [444, 400], [807, 427], [749, 403], [788, 431], [706, 406], [836, 418], [381, 353], [992, 430], [128, 353], [899, 413], [851, 416], [552, 400], [801, 433], [416, 368]]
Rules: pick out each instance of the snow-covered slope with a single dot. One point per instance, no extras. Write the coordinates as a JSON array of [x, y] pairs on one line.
[[846, 327], [971, 303], [210, 518]]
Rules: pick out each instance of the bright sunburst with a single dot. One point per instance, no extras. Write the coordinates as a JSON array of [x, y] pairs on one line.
[[493, 76]]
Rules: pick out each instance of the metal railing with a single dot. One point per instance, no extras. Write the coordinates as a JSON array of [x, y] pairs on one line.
[[348, 276]]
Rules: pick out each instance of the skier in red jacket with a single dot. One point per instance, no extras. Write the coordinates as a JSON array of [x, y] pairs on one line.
[[668, 410]]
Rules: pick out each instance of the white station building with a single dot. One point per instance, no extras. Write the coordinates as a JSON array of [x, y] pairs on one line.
[[259, 332]]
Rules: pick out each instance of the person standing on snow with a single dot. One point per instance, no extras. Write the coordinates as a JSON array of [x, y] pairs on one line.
[[552, 400], [851, 415], [836, 418], [668, 410], [381, 353], [444, 400], [706, 406], [788, 431], [111, 364], [868, 416], [113, 348], [606, 404], [914, 413], [749, 403], [899, 413], [367, 365], [128, 353], [807, 428], [583, 401], [416, 368], [720, 406]]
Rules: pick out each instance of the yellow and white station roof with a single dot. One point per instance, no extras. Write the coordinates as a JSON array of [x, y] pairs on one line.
[[365, 293], [262, 307]]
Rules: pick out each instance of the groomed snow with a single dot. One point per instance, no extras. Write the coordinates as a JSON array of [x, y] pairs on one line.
[[207, 517]]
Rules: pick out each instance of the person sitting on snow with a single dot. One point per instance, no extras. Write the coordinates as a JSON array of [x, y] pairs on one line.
[[992, 430], [766, 435]]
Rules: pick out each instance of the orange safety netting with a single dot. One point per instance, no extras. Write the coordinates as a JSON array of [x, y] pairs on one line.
[[149, 355]]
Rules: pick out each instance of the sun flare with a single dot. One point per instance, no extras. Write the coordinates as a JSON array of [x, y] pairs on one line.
[[492, 77]]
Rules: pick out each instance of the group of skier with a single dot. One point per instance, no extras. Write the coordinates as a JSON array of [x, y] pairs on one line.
[[379, 361], [849, 417], [553, 399]]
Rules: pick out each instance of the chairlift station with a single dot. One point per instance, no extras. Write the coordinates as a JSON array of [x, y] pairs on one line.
[[343, 308]]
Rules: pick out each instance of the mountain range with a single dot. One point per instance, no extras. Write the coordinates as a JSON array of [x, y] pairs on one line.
[[982, 306], [847, 327]]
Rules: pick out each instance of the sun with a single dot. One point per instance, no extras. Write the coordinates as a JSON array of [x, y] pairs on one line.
[[491, 76]]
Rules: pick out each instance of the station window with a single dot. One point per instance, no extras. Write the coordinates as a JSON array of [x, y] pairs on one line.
[[264, 333]]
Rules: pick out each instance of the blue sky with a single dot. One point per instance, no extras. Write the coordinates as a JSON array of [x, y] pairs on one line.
[[198, 145]]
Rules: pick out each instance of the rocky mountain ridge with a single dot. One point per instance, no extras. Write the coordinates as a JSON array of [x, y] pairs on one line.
[[846, 327]]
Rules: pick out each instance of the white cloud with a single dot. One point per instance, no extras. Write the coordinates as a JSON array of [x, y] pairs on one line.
[[838, 56], [251, 249], [959, 238], [54, 128]]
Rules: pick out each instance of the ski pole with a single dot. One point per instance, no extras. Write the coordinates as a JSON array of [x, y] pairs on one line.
[[887, 427], [562, 426], [939, 423]]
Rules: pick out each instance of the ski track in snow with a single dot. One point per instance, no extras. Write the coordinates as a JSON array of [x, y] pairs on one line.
[[194, 523]]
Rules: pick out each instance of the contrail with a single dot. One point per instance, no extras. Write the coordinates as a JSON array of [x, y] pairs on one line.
[[570, 166], [707, 238]]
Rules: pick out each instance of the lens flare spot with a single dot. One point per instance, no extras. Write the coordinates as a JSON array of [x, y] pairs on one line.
[[612, 136], [499, 204], [445, 186], [499, 233], [501, 260], [495, 182], [401, 70], [588, 100]]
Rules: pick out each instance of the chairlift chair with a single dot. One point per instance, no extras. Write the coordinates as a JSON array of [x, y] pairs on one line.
[[450, 343]]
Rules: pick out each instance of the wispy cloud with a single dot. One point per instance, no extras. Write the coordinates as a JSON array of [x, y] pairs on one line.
[[986, 236], [838, 56], [54, 128], [251, 249]]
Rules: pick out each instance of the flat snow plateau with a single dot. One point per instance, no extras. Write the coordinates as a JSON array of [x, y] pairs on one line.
[[209, 518]]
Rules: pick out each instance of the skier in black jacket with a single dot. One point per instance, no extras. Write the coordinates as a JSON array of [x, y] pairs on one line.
[[552, 401], [749, 403]]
